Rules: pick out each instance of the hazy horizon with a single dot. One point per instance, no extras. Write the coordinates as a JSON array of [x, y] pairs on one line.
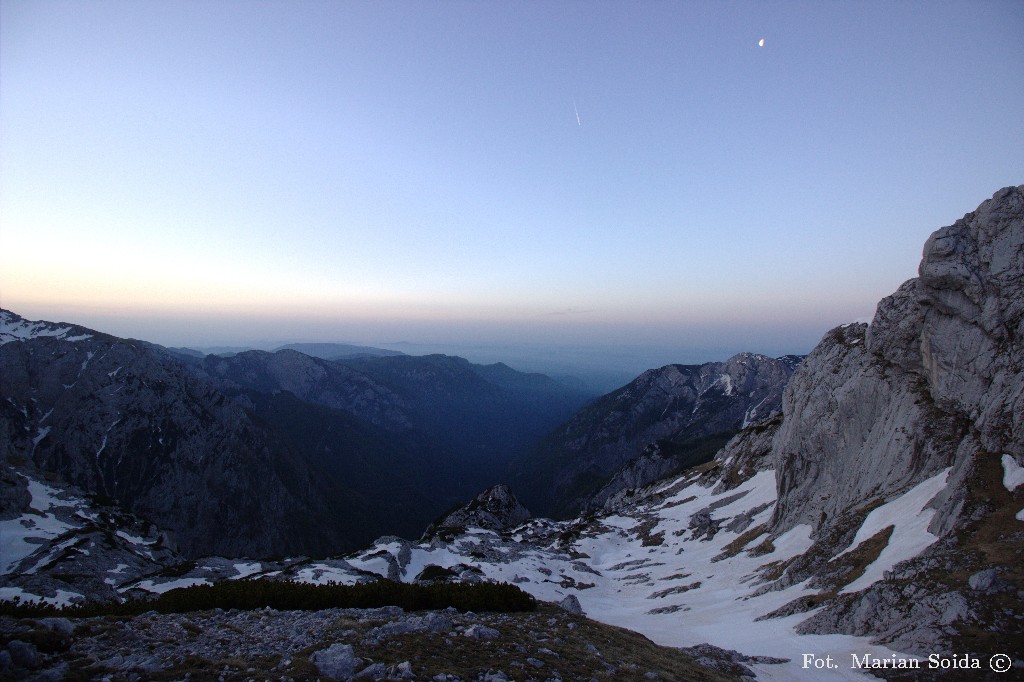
[[601, 365], [549, 176]]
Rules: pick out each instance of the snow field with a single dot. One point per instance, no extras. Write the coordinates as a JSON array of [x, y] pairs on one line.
[[685, 590]]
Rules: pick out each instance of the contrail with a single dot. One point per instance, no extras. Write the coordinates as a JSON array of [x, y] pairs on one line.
[[577, 113]]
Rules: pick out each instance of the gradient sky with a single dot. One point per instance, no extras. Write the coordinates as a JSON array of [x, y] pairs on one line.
[[371, 172]]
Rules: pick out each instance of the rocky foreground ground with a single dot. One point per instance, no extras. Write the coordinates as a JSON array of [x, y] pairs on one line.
[[343, 644]]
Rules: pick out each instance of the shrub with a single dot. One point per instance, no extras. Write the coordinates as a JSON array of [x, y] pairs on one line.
[[292, 596]]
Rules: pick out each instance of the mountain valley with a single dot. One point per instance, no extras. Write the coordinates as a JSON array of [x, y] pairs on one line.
[[262, 453]]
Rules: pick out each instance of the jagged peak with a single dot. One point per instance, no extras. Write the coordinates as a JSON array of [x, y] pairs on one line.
[[496, 508]]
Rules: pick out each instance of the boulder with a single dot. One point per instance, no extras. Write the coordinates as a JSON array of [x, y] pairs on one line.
[[337, 661], [572, 605], [481, 632]]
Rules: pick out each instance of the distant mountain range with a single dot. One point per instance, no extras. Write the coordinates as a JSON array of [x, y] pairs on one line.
[[327, 351], [264, 453]]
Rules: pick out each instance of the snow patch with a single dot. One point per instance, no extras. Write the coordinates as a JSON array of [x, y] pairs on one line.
[[63, 597], [321, 574], [44, 497], [245, 570], [1013, 473], [910, 536], [678, 593], [160, 588], [133, 539], [22, 536], [751, 415], [12, 329], [40, 436]]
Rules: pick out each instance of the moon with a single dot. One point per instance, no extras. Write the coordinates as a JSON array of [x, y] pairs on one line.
[[760, 43]]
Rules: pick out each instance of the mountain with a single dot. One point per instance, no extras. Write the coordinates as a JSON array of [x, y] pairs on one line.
[[127, 421], [190, 352], [310, 379], [494, 509], [664, 421], [486, 414], [931, 394], [262, 453], [457, 423], [336, 351]]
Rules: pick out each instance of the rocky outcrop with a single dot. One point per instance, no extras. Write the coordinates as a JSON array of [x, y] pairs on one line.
[[740, 458], [857, 430], [934, 383], [972, 294], [663, 421], [653, 464], [494, 509], [62, 547]]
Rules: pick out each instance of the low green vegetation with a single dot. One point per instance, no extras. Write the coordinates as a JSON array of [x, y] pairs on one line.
[[292, 596]]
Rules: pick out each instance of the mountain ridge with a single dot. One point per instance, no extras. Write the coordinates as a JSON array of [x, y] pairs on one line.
[[668, 417], [203, 444]]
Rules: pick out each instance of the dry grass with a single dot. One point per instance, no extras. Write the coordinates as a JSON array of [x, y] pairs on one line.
[[616, 654], [572, 648], [741, 541], [766, 547], [847, 568], [996, 539]]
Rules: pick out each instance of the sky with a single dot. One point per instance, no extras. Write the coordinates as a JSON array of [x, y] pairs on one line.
[[570, 175]]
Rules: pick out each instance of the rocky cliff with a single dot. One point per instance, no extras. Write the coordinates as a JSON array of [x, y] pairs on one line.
[[60, 545], [934, 387], [664, 421]]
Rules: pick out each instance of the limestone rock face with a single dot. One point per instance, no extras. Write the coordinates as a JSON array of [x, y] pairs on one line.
[[856, 430], [933, 382], [972, 292]]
